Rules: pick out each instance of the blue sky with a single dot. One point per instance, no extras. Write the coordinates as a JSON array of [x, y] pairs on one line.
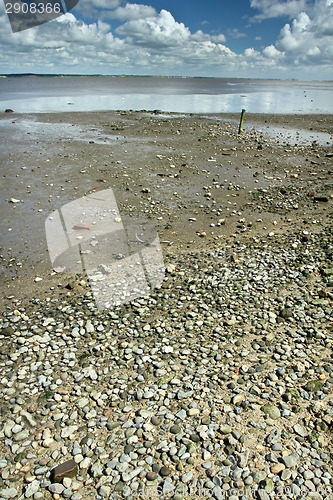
[[244, 38]]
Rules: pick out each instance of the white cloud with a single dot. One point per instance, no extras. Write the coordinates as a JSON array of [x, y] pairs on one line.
[[97, 8], [271, 52], [132, 11], [155, 43], [101, 4], [200, 36], [235, 33], [251, 53], [161, 30], [308, 39], [271, 8]]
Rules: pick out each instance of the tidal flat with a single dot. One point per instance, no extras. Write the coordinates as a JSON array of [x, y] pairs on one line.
[[218, 384]]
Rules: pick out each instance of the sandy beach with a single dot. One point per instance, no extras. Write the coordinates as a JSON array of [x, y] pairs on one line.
[[219, 383]]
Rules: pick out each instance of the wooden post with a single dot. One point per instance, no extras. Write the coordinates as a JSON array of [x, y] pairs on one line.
[[241, 121]]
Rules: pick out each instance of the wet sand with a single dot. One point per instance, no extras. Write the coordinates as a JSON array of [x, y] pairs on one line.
[[165, 168]]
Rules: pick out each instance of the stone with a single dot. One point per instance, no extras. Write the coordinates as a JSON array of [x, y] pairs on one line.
[[66, 469], [7, 331], [186, 478], [314, 385], [155, 420], [300, 430], [104, 491], [225, 429], [68, 431], [181, 414], [290, 461], [164, 471], [31, 489], [259, 476], [56, 488], [8, 493], [151, 476], [272, 411], [21, 436], [277, 468]]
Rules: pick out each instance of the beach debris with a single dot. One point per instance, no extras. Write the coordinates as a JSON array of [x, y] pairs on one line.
[[82, 226], [321, 198], [14, 200], [38, 279], [241, 122]]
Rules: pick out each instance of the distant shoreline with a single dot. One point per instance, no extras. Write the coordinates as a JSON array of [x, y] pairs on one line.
[[98, 75]]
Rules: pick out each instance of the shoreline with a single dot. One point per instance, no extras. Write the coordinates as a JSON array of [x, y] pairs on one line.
[[219, 382]]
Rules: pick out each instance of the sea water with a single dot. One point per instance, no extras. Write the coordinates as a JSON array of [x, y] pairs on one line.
[[47, 94]]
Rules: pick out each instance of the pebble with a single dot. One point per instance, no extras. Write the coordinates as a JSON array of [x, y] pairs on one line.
[[228, 387], [8, 493]]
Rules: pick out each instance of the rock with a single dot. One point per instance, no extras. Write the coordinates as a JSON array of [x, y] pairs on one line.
[[314, 385], [56, 488], [66, 469], [128, 476], [21, 436], [9, 110], [272, 411], [151, 476], [181, 414], [290, 461], [186, 478], [68, 431], [225, 429], [7, 331], [286, 313], [300, 430], [184, 394], [8, 493], [165, 471], [155, 421], [321, 198], [238, 398], [31, 421], [259, 476], [277, 468], [31, 489], [104, 491]]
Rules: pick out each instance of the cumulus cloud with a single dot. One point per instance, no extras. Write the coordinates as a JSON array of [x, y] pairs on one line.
[[251, 53], [270, 8], [160, 30], [200, 36], [156, 43], [132, 11], [271, 52], [308, 39]]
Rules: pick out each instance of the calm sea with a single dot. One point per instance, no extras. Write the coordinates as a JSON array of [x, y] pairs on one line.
[[35, 94]]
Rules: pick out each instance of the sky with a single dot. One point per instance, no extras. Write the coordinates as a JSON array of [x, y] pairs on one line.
[[289, 39]]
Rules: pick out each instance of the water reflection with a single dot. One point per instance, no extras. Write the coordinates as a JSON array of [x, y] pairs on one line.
[[285, 101]]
